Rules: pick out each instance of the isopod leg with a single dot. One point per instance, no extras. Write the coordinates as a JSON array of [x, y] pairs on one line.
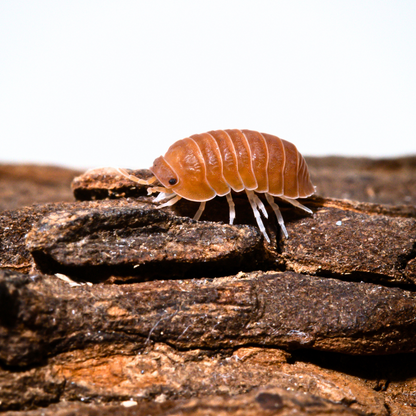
[[261, 206], [162, 196], [279, 216], [201, 208], [252, 198], [297, 204], [134, 178], [232, 207], [160, 189], [170, 202]]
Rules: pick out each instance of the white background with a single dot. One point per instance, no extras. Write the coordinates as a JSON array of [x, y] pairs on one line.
[[114, 83]]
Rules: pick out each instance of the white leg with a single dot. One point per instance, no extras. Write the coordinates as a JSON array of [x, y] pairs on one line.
[[279, 216], [153, 189], [170, 202], [163, 196], [232, 207], [261, 206], [253, 203], [201, 208], [296, 204]]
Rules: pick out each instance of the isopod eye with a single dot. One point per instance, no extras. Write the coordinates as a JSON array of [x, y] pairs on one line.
[[164, 173]]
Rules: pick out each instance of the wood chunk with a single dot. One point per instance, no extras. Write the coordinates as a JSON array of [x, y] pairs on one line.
[[353, 242], [98, 240], [285, 310], [205, 373], [92, 376], [104, 183]]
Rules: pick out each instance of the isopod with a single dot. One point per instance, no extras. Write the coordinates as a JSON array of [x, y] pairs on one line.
[[203, 166]]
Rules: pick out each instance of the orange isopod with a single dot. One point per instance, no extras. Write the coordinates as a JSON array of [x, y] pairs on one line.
[[203, 166]]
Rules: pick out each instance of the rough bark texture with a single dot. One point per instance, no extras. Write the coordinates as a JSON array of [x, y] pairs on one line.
[[112, 306]]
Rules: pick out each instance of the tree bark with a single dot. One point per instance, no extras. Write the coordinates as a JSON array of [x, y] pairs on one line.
[[108, 299]]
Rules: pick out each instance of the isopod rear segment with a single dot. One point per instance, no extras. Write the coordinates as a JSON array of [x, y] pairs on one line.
[[211, 164]]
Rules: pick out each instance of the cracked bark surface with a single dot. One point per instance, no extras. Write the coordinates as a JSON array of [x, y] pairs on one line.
[[111, 306]]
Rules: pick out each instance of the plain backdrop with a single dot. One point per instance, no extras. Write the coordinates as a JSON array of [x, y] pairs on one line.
[[113, 83]]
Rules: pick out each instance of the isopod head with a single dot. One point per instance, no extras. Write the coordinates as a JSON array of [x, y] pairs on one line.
[[188, 178], [164, 173]]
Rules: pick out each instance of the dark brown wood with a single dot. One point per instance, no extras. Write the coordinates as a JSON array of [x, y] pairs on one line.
[[112, 300]]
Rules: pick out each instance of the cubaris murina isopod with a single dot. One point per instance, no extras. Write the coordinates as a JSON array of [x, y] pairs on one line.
[[211, 164]]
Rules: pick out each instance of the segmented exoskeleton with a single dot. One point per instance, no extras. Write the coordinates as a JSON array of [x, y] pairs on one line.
[[203, 166]]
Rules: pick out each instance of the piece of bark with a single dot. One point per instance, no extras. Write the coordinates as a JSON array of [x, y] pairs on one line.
[[353, 241], [99, 375], [162, 374], [105, 183], [97, 240], [284, 310], [201, 373]]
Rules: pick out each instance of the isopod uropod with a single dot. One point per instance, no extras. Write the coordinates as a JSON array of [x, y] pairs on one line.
[[203, 166]]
